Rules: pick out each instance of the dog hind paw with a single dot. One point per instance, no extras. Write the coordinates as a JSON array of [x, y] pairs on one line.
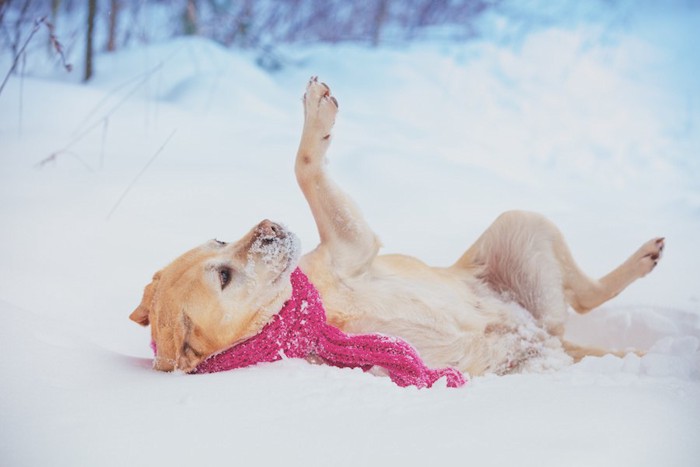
[[649, 255]]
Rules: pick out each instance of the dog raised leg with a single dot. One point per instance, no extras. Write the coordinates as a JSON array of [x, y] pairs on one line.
[[346, 239]]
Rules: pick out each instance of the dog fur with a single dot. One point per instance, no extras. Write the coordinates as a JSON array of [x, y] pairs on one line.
[[500, 308]]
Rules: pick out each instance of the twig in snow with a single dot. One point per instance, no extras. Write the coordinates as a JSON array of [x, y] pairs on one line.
[[105, 127], [102, 120], [37, 25], [20, 53], [54, 157], [21, 91], [136, 178], [86, 127], [57, 46], [140, 80]]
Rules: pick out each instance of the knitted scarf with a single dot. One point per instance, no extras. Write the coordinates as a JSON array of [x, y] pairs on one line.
[[300, 330]]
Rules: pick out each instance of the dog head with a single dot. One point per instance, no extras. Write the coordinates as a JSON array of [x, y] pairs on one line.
[[217, 295]]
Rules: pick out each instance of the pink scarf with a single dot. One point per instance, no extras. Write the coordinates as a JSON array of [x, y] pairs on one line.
[[300, 330]]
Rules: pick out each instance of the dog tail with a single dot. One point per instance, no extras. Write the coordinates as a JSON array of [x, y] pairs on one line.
[[578, 352]]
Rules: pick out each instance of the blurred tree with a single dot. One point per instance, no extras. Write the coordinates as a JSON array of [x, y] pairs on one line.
[[190, 18], [114, 7], [380, 15], [261, 25], [89, 52], [55, 5]]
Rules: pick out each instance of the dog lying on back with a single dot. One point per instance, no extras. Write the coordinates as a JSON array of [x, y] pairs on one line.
[[499, 308]]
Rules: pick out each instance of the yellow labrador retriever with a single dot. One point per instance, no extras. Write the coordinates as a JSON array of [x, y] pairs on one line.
[[500, 308]]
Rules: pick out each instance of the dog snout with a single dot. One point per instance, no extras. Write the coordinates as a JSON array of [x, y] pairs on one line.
[[269, 229]]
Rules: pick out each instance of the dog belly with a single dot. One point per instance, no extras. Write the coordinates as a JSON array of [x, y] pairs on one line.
[[451, 321]]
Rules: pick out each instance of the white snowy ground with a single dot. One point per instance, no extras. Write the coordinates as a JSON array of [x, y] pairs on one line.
[[598, 129]]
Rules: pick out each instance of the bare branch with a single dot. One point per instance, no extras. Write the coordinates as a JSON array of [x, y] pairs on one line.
[[57, 46], [54, 158], [136, 178], [37, 25]]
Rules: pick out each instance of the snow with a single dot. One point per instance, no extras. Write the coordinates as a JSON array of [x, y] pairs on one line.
[[183, 141]]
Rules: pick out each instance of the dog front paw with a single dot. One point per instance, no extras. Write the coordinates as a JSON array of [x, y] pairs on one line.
[[320, 109]]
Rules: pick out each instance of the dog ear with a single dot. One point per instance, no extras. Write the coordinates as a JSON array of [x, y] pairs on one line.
[[141, 314], [186, 357]]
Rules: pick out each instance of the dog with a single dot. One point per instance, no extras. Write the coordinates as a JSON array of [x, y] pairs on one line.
[[500, 308]]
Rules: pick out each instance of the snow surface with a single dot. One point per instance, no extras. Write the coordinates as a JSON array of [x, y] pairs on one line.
[[182, 141]]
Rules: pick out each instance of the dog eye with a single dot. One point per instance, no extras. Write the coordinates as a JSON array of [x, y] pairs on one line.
[[219, 242], [224, 277]]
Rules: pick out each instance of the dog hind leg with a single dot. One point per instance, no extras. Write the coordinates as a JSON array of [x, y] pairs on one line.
[[525, 256], [516, 257]]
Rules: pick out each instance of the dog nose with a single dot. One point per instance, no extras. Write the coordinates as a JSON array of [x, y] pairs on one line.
[[267, 228]]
